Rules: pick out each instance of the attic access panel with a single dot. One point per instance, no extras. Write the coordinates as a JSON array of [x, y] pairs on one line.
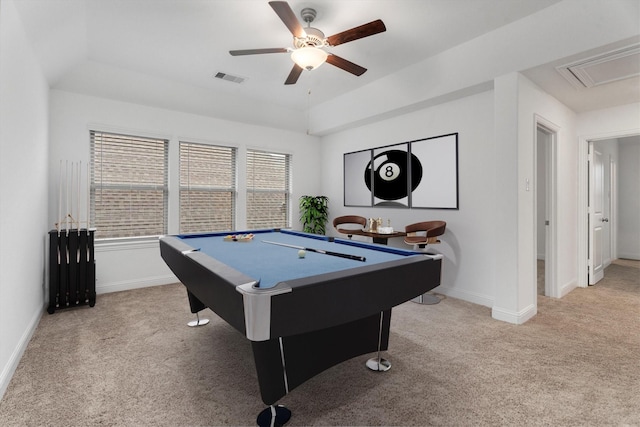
[[606, 68]]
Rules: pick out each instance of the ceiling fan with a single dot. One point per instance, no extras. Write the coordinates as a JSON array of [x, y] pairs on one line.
[[309, 43]]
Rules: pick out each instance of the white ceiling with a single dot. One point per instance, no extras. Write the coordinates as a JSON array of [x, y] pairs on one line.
[[166, 52]]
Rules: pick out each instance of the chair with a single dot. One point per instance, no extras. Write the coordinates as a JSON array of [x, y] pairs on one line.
[[425, 233], [419, 235], [352, 221]]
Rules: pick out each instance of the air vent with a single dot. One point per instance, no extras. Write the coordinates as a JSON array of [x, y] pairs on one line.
[[616, 65], [229, 77]]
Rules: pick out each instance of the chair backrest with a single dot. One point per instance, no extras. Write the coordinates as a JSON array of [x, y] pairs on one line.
[[431, 228], [350, 219]]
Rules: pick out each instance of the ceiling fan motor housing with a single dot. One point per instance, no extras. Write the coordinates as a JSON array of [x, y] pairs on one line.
[[315, 38]]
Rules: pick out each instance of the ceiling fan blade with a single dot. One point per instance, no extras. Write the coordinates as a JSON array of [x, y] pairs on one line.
[[345, 65], [284, 11], [293, 75], [258, 51], [356, 33]]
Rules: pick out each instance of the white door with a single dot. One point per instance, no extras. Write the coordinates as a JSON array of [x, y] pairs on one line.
[[596, 217]]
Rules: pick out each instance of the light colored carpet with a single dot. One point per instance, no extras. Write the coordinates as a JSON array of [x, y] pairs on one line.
[[540, 278], [132, 361]]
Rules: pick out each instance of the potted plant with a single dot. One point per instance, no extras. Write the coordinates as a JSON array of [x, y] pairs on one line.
[[314, 213]]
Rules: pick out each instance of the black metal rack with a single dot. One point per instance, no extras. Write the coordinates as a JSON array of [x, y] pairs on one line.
[[72, 273]]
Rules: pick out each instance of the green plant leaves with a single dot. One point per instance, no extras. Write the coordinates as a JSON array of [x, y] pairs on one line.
[[314, 213]]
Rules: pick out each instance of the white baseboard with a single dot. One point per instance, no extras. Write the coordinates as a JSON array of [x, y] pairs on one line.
[[568, 287], [14, 360], [473, 297], [629, 255], [127, 285], [517, 318]]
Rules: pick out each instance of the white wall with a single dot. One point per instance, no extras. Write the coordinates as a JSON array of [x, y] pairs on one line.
[[23, 190], [629, 201], [136, 263], [468, 244]]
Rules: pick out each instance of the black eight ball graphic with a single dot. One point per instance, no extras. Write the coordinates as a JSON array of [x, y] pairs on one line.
[[390, 176]]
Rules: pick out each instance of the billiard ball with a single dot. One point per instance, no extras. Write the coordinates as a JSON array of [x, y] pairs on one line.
[[301, 253], [390, 174]]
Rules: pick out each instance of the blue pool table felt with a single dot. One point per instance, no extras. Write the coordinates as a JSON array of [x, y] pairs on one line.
[[271, 264]]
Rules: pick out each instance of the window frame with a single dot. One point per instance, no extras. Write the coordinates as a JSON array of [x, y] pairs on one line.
[[232, 189], [287, 190], [132, 185]]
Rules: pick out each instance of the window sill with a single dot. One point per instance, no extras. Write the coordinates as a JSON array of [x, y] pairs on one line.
[[126, 243]]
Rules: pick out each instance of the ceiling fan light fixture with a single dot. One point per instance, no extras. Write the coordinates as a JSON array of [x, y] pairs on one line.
[[309, 57]]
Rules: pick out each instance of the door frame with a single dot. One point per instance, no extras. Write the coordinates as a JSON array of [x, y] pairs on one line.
[[613, 210], [551, 241], [583, 197]]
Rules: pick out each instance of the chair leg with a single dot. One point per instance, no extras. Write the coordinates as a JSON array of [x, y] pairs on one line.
[[426, 299]]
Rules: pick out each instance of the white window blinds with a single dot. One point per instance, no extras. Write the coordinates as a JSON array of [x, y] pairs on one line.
[[268, 189], [207, 187], [128, 185]]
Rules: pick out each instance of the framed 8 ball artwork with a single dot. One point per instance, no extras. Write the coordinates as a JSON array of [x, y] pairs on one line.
[[415, 174]]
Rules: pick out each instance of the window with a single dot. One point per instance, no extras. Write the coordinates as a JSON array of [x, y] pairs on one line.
[[207, 187], [268, 189], [128, 185]]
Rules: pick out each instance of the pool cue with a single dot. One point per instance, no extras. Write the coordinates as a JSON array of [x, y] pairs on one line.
[[59, 222], [66, 194], [88, 197], [78, 198], [320, 251]]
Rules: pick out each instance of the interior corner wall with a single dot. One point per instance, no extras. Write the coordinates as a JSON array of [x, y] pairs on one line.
[[468, 245], [23, 190], [516, 298], [505, 232], [534, 101], [133, 264]]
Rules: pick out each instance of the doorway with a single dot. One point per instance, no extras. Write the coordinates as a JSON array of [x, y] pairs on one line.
[[546, 136], [612, 203]]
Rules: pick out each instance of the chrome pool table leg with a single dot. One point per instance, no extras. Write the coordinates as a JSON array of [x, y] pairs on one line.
[[274, 416], [378, 363], [198, 321]]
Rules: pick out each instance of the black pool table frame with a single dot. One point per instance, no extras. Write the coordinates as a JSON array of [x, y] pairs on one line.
[[302, 327]]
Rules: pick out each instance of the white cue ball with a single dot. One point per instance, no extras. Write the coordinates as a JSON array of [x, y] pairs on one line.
[[301, 253]]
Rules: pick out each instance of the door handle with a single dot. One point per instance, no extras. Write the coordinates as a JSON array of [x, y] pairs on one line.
[[605, 219]]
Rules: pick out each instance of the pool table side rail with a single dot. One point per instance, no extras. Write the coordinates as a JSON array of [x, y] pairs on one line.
[[346, 242]]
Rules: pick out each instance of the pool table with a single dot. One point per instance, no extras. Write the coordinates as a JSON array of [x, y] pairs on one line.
[[302, 312]]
